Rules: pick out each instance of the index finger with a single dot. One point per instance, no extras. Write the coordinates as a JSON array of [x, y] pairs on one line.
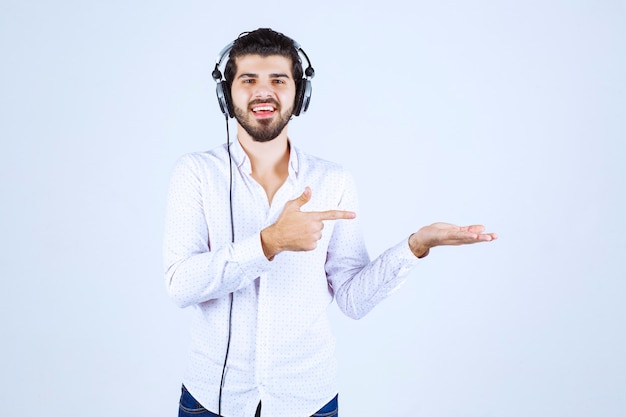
[[334, 214]]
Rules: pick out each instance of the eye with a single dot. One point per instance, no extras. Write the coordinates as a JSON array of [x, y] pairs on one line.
[[279, 81], [248, 81]]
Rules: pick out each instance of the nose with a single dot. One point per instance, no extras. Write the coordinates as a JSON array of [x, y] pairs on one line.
[[263, 89]]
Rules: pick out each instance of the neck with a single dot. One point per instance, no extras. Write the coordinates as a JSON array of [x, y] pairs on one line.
[[269, 161], [267, 156]]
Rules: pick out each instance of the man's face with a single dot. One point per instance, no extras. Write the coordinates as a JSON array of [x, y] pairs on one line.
[[263, 93]]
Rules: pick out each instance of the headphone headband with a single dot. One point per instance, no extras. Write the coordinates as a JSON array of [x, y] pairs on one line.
[[303, 86]]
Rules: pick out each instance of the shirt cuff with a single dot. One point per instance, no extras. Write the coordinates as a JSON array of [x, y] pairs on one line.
[[405, 257], [250, 257], [404, 251]]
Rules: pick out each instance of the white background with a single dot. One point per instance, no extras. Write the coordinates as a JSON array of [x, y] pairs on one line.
[[511, 114]]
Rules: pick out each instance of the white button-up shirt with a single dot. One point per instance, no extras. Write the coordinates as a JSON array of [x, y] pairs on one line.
[[281, 345]]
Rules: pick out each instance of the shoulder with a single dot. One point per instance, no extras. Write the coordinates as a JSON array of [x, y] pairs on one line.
[[327, 178], [310, 164], [216, 155], [202, 162]]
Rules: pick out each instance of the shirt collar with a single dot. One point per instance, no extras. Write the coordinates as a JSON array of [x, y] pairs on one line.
[[239, 155], [240, 158]]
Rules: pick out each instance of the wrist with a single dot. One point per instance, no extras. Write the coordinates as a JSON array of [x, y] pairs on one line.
[[419, 249], [269, 248]]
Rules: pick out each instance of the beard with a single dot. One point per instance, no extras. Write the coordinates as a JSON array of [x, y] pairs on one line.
[[263, 130]]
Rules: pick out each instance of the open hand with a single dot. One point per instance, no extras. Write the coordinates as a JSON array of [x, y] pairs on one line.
[[441, 234]]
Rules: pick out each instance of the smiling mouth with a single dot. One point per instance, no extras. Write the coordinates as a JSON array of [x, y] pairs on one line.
[[263, 109]]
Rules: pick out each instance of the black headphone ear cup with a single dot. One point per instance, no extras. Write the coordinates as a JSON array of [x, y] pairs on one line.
[[306, 95], [219, 91], [222, 90], [297, 103], [229, 100], [303, 97]]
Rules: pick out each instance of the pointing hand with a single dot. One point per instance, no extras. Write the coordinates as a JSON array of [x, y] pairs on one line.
[[297, 230]]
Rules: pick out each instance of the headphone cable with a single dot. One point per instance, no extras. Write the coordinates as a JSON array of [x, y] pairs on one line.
[[232, 238]]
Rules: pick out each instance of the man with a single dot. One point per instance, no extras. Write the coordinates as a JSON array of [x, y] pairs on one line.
[[260, 238]]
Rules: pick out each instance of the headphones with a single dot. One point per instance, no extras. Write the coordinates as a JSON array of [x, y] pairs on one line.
[[303, 86]]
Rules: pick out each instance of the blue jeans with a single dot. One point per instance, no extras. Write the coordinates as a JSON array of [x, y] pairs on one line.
[[190, 407]]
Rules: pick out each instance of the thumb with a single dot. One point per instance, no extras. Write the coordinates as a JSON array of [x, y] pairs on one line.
[[304, 198]]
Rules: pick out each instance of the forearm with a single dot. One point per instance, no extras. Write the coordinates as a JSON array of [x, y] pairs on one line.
[[360, 289], [193, 278]]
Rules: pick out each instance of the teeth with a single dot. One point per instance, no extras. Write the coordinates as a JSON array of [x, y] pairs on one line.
[[263, 108]]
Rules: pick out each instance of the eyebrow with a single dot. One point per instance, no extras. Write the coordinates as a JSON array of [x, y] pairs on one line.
[[273, 75]]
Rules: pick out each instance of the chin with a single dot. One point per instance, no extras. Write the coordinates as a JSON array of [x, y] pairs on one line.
[[263, 139]]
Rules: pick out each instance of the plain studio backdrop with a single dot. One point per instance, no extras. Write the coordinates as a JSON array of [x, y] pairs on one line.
[[511, 114]]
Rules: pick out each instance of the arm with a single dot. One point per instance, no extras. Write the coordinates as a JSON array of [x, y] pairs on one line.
[[202, 264], [359, 284]]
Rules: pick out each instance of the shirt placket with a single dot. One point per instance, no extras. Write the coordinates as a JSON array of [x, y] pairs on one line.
[[267, 301]]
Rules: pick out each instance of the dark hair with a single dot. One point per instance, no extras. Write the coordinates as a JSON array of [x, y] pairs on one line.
[[264, 42]]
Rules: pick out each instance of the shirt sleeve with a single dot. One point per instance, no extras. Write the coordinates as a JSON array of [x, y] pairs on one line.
[[360, 284], [195, 272]]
